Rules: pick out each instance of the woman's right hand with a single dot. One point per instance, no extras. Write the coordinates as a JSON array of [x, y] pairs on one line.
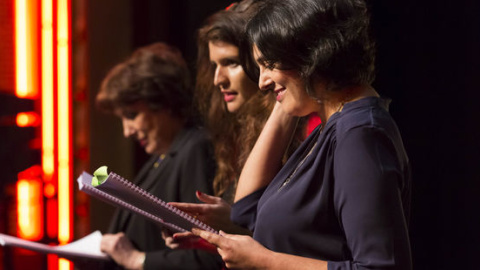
[[214, 211], [122, 251]]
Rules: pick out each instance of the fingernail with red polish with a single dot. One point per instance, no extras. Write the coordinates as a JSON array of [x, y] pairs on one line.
[[199, 193]]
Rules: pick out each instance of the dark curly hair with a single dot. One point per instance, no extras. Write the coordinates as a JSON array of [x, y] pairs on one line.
[[321, 39]]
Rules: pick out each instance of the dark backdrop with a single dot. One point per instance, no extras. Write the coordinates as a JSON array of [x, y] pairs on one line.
[[428, 62]]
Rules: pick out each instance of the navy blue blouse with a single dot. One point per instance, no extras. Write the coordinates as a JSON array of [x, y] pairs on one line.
[[343, 196]]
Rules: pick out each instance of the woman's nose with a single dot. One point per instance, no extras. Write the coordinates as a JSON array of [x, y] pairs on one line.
[[128, 130], [265, 82], [220, 79]]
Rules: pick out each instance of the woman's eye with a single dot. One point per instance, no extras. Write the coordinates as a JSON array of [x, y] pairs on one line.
[[231, 63], [130, 115], [234, 64], [269, 65], [277, 65], [266, 64]]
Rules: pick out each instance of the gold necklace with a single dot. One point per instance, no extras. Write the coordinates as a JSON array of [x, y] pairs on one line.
[[289, 178], [158, 161]]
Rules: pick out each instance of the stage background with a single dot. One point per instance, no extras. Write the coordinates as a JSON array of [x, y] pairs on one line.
[[428, 63]]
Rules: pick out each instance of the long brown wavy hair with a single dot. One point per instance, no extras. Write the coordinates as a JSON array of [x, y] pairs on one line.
[[233, 134]]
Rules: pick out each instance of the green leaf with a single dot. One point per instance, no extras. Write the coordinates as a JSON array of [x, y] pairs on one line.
[[99, 176]]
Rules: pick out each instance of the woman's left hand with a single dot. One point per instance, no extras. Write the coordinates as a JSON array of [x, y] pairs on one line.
[[237, 251], [214, 211], [187, 240]]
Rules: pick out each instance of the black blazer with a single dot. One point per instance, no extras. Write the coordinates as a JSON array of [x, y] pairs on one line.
[[187, 167]]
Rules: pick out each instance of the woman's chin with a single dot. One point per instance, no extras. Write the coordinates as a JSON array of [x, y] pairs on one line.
[[149, 150], [233, 106]]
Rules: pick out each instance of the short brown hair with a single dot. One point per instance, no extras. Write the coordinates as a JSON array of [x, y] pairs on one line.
[[156, 74]]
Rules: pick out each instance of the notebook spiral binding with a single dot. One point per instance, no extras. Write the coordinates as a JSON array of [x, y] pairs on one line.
[[142, 192], [128, 206]]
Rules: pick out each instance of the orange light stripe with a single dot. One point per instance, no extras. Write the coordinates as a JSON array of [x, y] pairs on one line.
[[21, 53], [47, 90], [24, 50], [23, 190], [29, 205], [64, 264], [64, 131]]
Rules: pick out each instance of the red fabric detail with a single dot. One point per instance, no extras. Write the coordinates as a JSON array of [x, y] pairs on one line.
[[313, 121]]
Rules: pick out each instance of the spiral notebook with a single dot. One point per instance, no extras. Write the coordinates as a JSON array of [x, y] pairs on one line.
[[122, 193]]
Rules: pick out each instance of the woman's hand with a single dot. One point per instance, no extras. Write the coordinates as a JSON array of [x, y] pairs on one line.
[[238, 251], [243, 252], [182, 243], [121, 250], [187, 240], [214, 211]]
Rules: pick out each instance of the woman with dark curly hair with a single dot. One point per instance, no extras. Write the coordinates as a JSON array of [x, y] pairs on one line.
[[342, 199]]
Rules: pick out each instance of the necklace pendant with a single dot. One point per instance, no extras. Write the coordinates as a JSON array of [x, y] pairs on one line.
[[159, 160]]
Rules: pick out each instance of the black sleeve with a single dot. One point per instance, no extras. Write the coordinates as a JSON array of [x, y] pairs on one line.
[[368, 201], [244, 211]]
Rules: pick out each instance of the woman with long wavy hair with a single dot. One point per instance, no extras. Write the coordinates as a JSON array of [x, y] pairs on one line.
[[234, 109]]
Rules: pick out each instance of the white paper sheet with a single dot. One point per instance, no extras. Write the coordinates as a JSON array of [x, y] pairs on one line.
[[86, 247]]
